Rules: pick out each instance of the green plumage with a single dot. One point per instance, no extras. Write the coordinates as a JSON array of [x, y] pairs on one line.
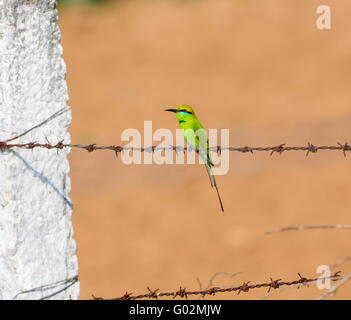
[[196, 136]]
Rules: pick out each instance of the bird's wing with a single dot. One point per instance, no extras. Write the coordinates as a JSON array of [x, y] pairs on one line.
[[202, 143]]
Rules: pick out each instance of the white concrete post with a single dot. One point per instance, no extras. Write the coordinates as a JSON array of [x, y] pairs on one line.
[[37, 252]]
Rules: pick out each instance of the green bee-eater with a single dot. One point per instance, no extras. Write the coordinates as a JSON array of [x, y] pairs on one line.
[[196, 137]]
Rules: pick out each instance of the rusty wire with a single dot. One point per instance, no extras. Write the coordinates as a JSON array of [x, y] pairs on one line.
[[310, 148], [245, 287]]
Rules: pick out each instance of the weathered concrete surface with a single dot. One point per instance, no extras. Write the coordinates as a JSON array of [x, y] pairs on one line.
[[36, 245]]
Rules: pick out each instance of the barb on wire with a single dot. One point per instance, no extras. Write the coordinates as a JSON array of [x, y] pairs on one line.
[[215, 275], [310, 148], [245, 287], [295, 228]]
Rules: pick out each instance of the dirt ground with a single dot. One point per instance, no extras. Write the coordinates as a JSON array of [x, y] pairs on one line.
[[261, 69]]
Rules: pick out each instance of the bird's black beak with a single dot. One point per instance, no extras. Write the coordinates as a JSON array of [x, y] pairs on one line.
[[171, 110]]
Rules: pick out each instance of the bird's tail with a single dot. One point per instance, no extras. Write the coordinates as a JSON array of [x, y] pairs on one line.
[[213, 182]]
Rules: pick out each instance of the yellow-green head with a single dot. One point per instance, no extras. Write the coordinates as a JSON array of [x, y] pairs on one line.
[[183, 112]]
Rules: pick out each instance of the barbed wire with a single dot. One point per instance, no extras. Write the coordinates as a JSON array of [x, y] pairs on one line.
[[310, 148], [245, 287], [331, 267]]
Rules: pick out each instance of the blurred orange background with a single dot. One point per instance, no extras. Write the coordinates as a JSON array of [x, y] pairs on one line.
[[261, 69]]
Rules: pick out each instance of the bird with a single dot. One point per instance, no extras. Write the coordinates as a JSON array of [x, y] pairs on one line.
[[195, 135]]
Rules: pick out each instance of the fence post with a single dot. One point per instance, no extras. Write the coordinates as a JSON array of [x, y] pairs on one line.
[[37, 251]]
